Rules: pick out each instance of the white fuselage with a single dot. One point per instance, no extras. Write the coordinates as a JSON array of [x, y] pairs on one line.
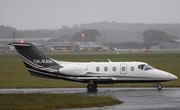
[[116, 71]]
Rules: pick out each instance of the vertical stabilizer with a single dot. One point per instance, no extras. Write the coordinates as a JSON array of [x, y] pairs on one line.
[[36, 61]]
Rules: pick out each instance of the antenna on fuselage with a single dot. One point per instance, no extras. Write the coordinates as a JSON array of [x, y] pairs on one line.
[[109, 60]]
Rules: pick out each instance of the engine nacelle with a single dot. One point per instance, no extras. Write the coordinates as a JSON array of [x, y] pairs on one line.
[[74, 70]]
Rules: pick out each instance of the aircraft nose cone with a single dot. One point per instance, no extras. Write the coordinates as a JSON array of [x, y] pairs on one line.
[[173, 77]]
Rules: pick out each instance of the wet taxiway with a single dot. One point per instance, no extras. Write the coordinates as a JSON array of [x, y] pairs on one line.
[[134, 98]]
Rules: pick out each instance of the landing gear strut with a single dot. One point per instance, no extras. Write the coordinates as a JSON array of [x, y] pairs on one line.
[[159, 86]]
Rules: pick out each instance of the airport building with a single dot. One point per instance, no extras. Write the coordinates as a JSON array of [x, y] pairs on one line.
[[172, 44], [52, 44], [4, 48], [57, 44]]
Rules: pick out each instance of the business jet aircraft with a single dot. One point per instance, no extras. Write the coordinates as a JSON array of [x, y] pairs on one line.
[[40, 65]]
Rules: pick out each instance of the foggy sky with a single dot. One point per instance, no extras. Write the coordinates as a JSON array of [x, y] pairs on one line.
[[53, 14]]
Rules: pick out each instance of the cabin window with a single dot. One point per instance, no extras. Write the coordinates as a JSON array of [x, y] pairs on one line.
[[105, 69], [132, 68], [148, 67], [123, 68], [114, 69], [97, 69], [141, 67]]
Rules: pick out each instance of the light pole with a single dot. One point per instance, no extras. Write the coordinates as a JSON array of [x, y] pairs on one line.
[[82, 40], [13, 36], [139, 40]]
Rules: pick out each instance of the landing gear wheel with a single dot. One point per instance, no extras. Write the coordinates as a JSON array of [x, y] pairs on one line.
[[159, 86], [90, 87]]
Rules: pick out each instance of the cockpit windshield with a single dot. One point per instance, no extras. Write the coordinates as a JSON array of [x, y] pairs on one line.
[[148, 67], [141, 67]]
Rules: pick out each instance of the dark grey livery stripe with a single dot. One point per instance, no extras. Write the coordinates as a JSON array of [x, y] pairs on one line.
[[37, 66]]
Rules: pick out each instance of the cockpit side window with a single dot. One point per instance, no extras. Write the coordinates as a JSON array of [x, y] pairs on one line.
[[148, 67], [141, 67]]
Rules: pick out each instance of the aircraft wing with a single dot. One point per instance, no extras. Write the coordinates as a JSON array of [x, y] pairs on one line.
[[98, 74], [93, 78], [87, 79]]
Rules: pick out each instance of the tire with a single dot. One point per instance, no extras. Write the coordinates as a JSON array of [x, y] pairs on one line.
[[159, 86], [90, 87]]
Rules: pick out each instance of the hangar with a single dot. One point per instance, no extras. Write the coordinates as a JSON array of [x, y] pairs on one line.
[[4, 48], [172, 44], [57, 44], [60, 44]]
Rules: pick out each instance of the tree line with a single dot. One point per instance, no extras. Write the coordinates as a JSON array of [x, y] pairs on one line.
[[110, 32]]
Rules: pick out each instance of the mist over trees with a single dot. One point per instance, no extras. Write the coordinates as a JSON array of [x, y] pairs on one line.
[[109, 32], [89, 35], [9, 32], [156, 36], [129, 32]]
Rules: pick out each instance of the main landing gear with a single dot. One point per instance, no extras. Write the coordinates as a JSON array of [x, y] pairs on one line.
[[159, 86], [91, 86]]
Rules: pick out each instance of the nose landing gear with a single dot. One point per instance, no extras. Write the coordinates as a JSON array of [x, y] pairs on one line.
[[159, 86]]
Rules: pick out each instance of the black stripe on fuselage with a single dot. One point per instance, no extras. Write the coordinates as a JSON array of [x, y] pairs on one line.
[[47, 75], [129, 81], [29, 67]]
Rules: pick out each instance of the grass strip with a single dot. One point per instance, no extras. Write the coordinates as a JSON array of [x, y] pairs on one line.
[[53, 101]]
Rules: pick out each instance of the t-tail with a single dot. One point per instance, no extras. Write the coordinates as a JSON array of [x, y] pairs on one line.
[[37, 63]]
